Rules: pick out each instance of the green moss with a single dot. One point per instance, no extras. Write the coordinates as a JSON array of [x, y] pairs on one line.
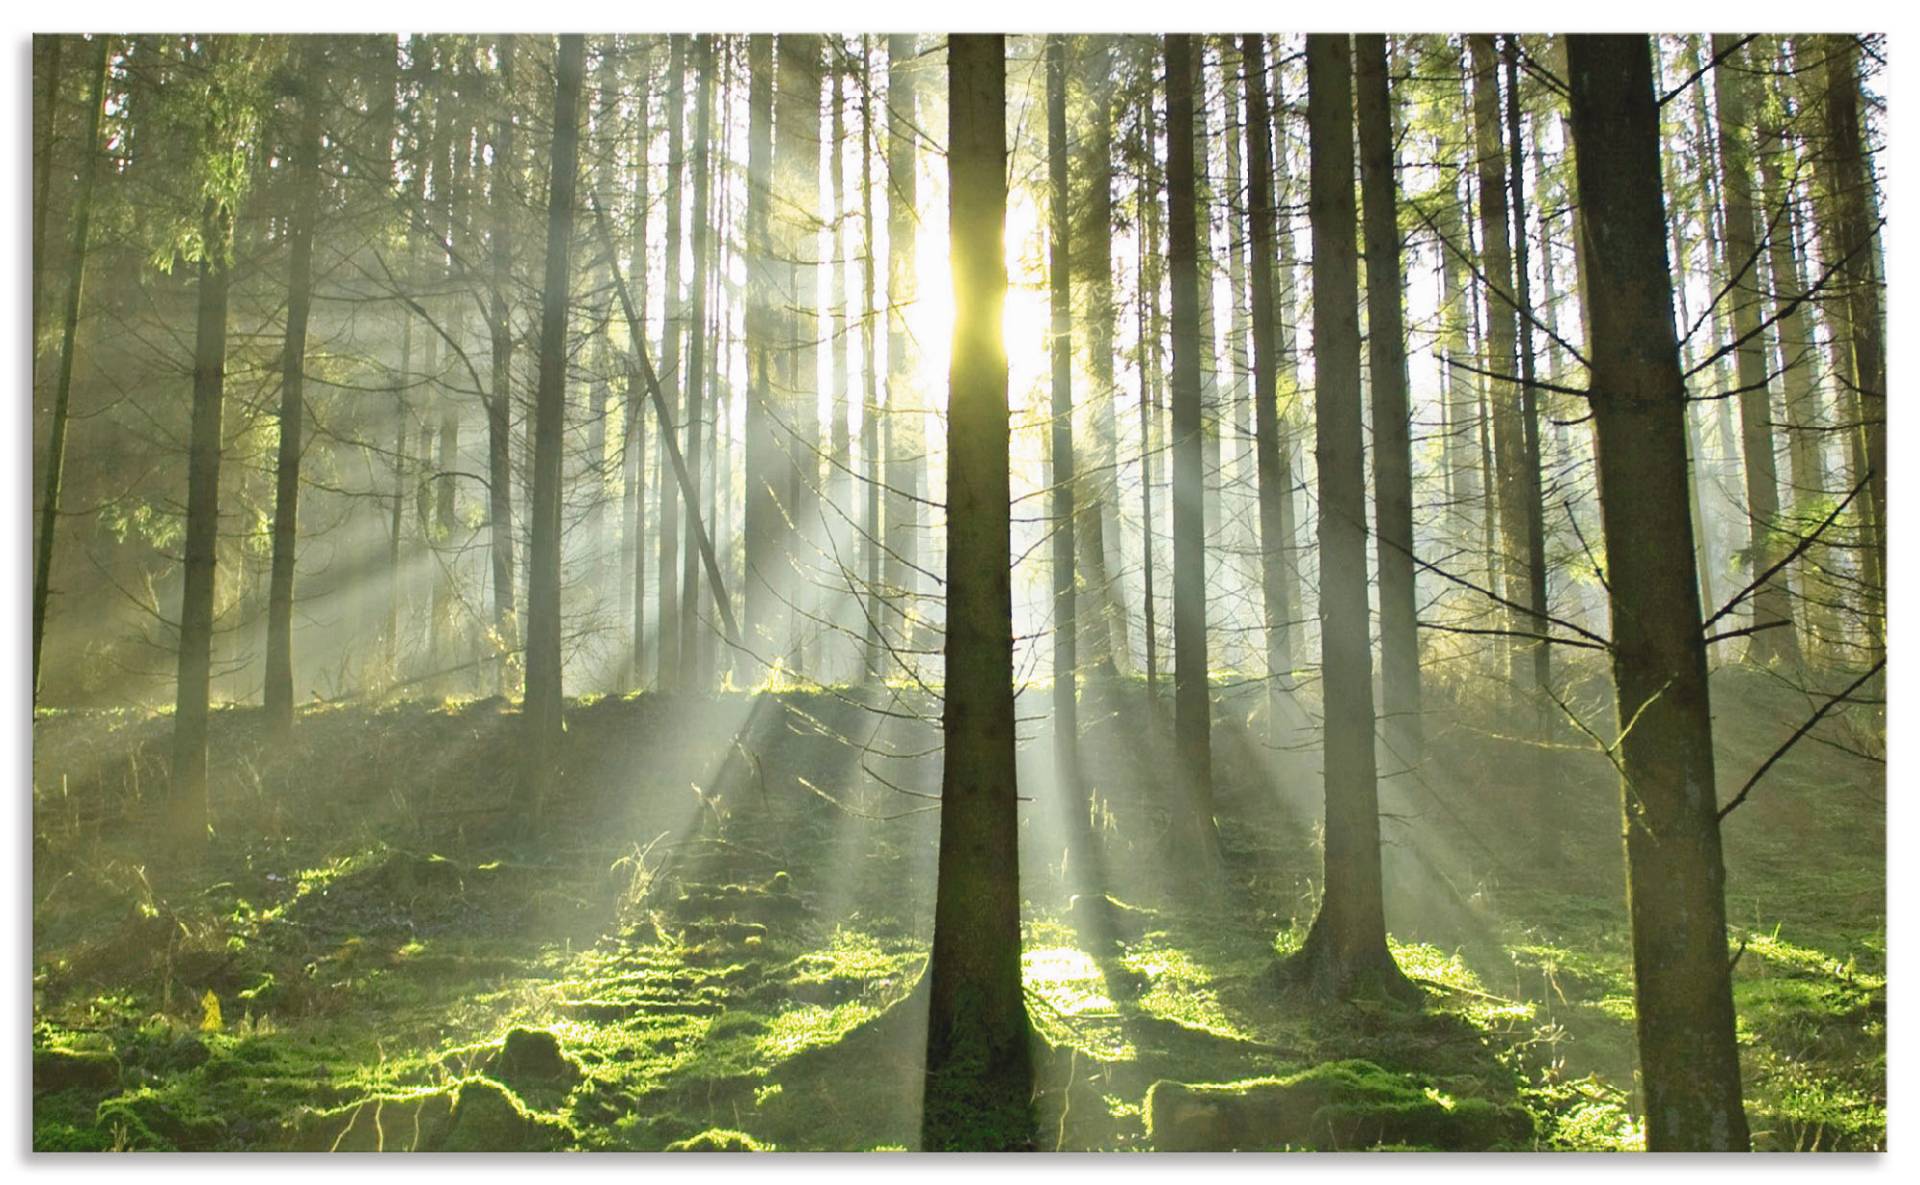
[[1336, 1106], [719, 1139], [487, 1117]]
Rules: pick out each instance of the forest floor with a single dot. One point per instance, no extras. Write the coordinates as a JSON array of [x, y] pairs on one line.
[[715, 940]]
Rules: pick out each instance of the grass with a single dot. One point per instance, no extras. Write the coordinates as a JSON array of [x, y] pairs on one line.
[[737, 970]]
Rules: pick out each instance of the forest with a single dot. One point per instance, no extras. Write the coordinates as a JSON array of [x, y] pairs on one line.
[[1041, 592]]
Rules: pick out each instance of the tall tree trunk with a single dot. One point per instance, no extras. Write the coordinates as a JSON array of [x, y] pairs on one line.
[[1794, 334], [1066, 661], [667, 658], [696, 337], [1773, 639], [1193, 718], [1689, 1064], [69, 328], [542, 707], [43, 145], [1286, 310], [796, 224], [1392, 429], [979, 1071], [1097, 499], [1345, 953], [1503, 394], [871, 540], [1534, 516], [187, 804], [1850, 189], [765, 468], [305, 164], [906, 431], [1269, 460], [500, 404]]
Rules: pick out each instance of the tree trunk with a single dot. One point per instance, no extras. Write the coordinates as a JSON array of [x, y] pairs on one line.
[[187, 805], [1533, 517], [871, 540], [69, 327], [1773, 639], [542, 707], [1689, 1064], [979, 1066], [1849, 191], [667, 657], [696, 338], [766, 483], [1269, 460], [905, 419], [1193, 719], [1066, 662], [500, 404], [1392, 429], [1097, 499], [305, 166], [1503, 394], [1345, 954]]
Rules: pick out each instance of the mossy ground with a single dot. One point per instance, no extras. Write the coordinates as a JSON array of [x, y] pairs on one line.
[[715, 946]]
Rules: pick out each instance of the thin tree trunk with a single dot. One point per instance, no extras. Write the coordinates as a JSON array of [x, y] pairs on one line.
[[696, 336], [1773, 639], [305, 164], [1689, 1063], [1066, 662], [766, 483], [667, 659], [1850, 191], [1503, 394], [542, 707], [871, 540], [1534, 516], [1269, 459], [69, 328], [500, 405], [906, 464], [1193, 718], [187, 805], [1392, 429]]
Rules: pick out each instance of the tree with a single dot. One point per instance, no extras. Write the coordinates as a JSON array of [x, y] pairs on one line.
[[1392, 428], [542, 706], [906, 469], [1269, 459], [1345, 953], [305, 163], [69, 329], [1509, 445], [979, 1064], [1773, 638], [1689, 1063], [1192, 703], [689, 648], [1066, 662], [1852, 233], [766, 484], [667, 656], [500, 338]]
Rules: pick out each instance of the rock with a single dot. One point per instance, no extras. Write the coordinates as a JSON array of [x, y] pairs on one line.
[[69, 1069], [488, 1118], [533, 1056]]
